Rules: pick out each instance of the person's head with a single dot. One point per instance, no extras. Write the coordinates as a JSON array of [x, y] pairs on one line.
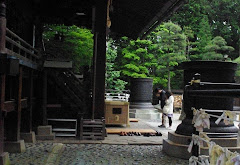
[[168, 94], [158, 91]]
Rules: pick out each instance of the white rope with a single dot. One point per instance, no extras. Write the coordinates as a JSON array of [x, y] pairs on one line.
[[222, 117], [213, 110]]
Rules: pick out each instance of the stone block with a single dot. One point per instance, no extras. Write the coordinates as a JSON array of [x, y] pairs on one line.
[[14, 146], [179, 139], [46, 137], [225, 142], [44, 130], [28, 137], [4, 159], [144, 114], [180, 150]]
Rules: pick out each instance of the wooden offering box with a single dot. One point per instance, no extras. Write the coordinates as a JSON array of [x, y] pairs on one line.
[[116, 112]]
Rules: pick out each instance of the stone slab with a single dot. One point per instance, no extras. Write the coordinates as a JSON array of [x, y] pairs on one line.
[[28, 137], [144, 114], [179, 139], [14, 146], [4, 159], [46, 137], [175, 150], [44, 130], [225, 142]]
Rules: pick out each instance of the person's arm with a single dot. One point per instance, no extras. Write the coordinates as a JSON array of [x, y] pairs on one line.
[[163, 101]]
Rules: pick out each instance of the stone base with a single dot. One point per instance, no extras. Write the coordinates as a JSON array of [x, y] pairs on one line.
[[46, 137], [28, 137], [45, 133], [4, 159], [141, 105], [179, 144], [44, 130], [14, 147], [144, 114]]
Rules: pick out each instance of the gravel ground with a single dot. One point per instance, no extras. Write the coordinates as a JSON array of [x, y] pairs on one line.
[[96, 154]]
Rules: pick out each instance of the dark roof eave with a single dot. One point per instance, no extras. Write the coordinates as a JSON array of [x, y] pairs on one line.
[[165, 13]]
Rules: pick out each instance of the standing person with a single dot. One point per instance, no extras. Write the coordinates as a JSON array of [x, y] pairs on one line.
[[160, 93], [168, 107]]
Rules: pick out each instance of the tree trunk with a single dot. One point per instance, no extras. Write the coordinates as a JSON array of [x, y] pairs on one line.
[[169, 80]]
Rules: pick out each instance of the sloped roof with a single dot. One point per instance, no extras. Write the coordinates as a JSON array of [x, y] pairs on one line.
[[132, 18]]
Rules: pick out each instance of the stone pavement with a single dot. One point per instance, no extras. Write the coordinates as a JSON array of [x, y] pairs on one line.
[[114, 150]]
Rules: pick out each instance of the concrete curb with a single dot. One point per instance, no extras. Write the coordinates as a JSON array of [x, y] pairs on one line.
[[53, 157]]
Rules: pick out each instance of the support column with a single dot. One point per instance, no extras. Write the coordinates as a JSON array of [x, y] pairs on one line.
[[4, 156], [44, 96], [13, 121], [44, 132], [26, 124], [99, 59]]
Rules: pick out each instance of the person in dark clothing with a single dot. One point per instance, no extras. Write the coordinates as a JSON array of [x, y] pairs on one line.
[[160, 93]]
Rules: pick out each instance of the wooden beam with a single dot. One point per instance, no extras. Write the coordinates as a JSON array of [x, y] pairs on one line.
[[2, 98], [11, 105], [54, 105], [13, 118], [44, 96], [99, 59], [19, 102], [30, 100], [2, 76]]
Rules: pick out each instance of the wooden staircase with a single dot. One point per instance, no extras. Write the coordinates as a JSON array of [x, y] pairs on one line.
[[71, 97], [69, 87], [92, 129]]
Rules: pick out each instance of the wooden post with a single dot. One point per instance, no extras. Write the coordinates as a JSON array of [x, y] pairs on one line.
[[100, 53], [2, 76], [13, 119], [26, 117], [44, 96], [30, 102], [19, 102], [2, 99], [2, 26]]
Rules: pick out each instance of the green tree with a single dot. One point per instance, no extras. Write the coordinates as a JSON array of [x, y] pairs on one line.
[[222, 17], [137, 60], [69, 42], [112, 80], [225, 16], [217, 49], [173, 46]]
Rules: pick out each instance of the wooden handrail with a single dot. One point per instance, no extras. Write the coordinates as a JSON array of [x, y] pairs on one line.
[[21, 47], [21, 40], [17, 47]]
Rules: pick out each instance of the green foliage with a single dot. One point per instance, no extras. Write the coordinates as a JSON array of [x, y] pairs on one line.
[[171, 50], [112, 80], [216, 49], [69, 42], [137, 60], [237, 60], [208, 19]]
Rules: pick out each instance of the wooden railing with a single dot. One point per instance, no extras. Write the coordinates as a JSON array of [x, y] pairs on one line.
[[20, 49], [115, 95]]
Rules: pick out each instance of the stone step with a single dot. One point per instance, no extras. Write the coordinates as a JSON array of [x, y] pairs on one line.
[[179, 144], [205, 150], [147, 116], [143, 111], [175, 150], [225, 142], [141, 105], [182, 139], [179, 139]]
